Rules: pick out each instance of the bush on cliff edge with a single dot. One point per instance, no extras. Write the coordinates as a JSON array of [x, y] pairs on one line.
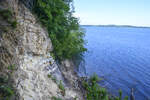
[[64, 30]]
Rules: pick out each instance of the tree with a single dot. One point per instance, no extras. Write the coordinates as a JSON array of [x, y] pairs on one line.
[[63, 28]]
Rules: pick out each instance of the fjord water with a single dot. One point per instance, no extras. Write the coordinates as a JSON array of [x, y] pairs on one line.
[[121, 56]]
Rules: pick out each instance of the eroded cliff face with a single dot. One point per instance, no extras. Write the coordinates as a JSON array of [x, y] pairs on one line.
[[36, 76]]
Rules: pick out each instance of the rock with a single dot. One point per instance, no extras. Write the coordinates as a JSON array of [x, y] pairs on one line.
[[28, 47]]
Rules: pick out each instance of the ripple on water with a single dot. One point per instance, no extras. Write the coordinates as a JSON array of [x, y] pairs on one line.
[[120, 55]]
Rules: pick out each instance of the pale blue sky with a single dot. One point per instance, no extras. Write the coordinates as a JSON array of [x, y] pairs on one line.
[[119, 12]]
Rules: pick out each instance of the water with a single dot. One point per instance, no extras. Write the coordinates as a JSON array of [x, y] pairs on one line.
[[121, 55]]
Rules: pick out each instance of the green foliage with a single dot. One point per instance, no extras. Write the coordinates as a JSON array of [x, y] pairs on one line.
[[6, 90], [6, 14], [7, 17], [54, 79], [75, 98], [63, 28], [126, 98], [95, 92], [62, 88], [59, 83], [14, 24], [11, 67], [55, 98], [120, 94], [49, 76]]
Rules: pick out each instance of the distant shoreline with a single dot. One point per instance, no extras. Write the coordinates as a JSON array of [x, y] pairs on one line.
[[117, 26]]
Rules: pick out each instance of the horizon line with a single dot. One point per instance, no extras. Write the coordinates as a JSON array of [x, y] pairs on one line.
[[114, 25]]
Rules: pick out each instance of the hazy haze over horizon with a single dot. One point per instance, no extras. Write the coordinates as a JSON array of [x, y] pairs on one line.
[[113, 12]]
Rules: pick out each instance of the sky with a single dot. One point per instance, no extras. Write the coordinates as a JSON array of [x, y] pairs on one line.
[[116, 12]]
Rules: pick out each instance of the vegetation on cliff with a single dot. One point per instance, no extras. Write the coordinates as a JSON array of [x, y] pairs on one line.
[[8, 24], [7, 91], [63, 28], [67, 39], [95, 92]]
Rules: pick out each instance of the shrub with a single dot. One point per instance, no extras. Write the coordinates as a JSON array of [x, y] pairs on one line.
[[6, 14], [63, 28], [62, 88], [8, 17], [11, 67], [6, 90], [54, 79], [14, 24], [49, 76], [95, 92], [55, 98]]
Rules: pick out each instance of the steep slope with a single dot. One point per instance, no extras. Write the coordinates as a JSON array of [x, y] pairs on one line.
[[36, 75]]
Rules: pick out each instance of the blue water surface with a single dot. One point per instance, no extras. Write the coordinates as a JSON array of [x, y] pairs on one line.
[[121, 56]]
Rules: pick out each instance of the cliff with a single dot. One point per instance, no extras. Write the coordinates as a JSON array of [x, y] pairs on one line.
[[26, 46]]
